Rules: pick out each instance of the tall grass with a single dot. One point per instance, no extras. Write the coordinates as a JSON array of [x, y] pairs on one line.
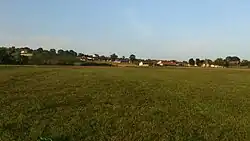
[[124, 104]]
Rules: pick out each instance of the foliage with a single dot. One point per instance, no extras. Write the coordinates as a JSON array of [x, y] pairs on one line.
[[198, 62], [219, 62], [202, 61], [209, 61], [233, 60], [40, 56], [132, 58], [245, 63], [113, 57], [191, 62]]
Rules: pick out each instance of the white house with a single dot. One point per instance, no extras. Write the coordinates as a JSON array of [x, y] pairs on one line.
[[143, 65], [205, 65], [25, 53], [117, 61], [160, 63]]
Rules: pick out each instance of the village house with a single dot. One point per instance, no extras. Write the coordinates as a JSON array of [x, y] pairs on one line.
[[234, 62], [117, 61], [166, 63], [87, 58], [26, 52], [143, 64]]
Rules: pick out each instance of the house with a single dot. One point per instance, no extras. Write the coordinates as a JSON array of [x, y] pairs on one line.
[[87, 58], [25, 52], [215, 66], [125, 60], [166, 63], [117, 61], [234, 62], [184, 64], [141, 64], [205, 65]]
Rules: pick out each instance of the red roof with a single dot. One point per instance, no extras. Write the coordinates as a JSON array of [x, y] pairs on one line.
[[168, 62]]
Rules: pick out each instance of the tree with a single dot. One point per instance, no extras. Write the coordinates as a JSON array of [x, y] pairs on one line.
[[52, 51], [245, 63], [96, 56], [209, 61], [202, 62], [235, 58], [132, 57], [185, 62], [80, 55], [17, 57], [191, 62], [60, 52], [219, 62], [232, 60], [226, 63], [24, 60], [113, 57], [73, 53], [5, 57], [103, 58], [39, 50], [198, 62], [2, 54]]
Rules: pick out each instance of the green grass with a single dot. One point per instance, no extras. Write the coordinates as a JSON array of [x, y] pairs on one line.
[[124, 104]]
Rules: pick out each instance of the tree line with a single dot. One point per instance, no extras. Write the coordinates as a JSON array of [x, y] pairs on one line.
[[40, 56], [229, 61]]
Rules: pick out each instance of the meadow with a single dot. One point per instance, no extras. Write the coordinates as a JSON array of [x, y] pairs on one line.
[[124, 104]]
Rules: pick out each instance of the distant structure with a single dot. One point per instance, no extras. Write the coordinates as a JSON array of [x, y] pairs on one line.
[[25, 52], [166, 63], [141, 64]]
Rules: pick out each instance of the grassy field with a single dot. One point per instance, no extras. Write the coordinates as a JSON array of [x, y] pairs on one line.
[[124, 104]]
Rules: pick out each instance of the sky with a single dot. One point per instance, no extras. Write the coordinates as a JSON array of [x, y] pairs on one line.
[[157, 29]]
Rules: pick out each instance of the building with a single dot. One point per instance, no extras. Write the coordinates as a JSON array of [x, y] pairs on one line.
[[25, 52], [166, 63], [117, 61], [87, 58], [141, 64]]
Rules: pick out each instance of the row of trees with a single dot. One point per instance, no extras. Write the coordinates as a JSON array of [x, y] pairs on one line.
[[227, 62], [131, 58], [40, 56]]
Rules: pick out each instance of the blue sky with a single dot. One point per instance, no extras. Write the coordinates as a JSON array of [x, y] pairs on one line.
[[162, 29]]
